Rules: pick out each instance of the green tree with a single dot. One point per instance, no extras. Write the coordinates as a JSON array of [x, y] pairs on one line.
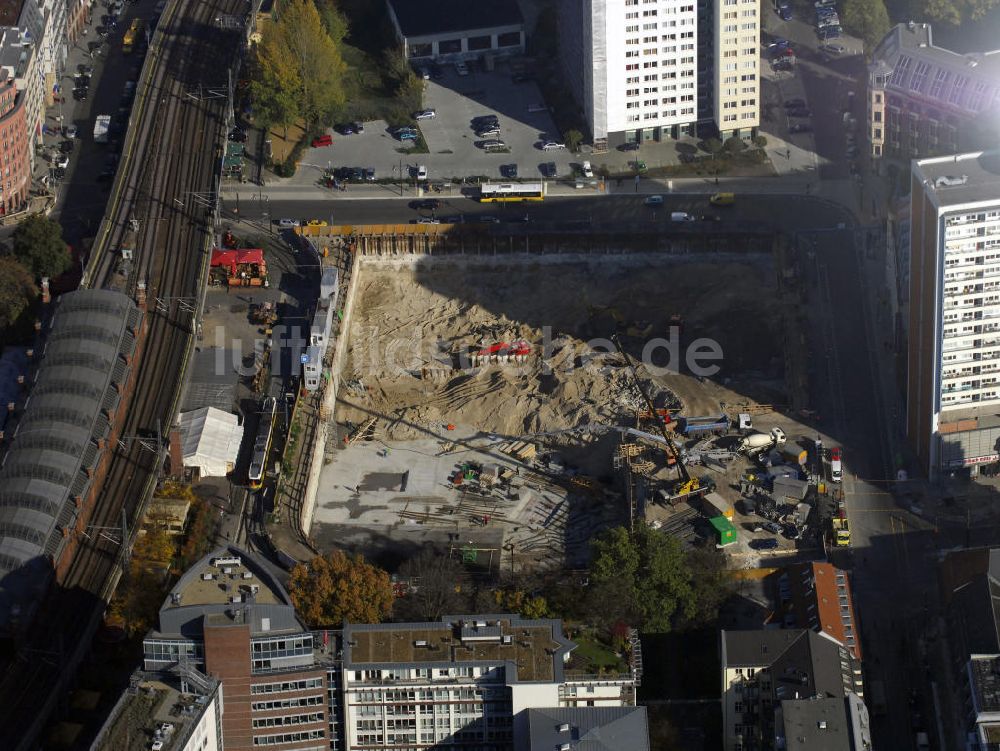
[[760, 141], [520, 602], [39, 246], [335, 588], [955, 12], [17, 290], [734, 145], [712, 145], [867, 19], [573, 139], [334, 21], [645, 577], [301, 42]]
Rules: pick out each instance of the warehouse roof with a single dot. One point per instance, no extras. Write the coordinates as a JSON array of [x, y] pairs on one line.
[[55, 446], [428, 17]]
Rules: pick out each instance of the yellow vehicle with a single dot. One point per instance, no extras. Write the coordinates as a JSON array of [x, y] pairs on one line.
[[511, 192], [841, 532], [316, 223], [136, 34], [723, 199]]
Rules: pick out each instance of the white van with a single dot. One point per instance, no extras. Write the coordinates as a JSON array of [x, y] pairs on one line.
[[680, 216]]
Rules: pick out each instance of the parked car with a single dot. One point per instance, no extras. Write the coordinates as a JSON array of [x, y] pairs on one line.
[[509, 171], [66, 147], [424, 73], [785, 13], [784, 63], [653, 201], [831, 32], [552, 146], [492, 143], [369, 173], [790, 103], [316, 223], [630, 146], [461, 68], [453, 219], [61, 161], [428, 220], [800, 112], [548, 169], [407, 135], [71, 131], [424, 115], [485, 120], [800, 128], [324, 140], [483, 219], [833, 49], [768, 543], [421, 172], [80, 95], [345, 129], [488, 132], [287, 222], [87, 70], [778, 44], [431, 204], [587, 170]]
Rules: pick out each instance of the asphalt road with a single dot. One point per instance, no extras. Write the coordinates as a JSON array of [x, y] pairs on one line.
[[792, 212]]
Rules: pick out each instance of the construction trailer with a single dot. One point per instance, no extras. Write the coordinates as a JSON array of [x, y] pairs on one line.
[[790, 487], [238, 267], [713, 505], [725, 531]]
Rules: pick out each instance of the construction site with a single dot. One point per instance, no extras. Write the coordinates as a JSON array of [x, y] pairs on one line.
[[514, 409]]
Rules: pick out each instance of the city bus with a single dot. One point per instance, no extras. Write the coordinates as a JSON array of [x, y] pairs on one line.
[[511, 192], [262, 444], [135, 34]]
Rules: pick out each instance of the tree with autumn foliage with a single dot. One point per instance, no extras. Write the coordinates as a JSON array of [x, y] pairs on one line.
[[520, 602], [335, 587], [299, 67]]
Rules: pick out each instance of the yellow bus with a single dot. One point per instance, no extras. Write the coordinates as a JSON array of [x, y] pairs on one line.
[[136, 33], [511, 192]]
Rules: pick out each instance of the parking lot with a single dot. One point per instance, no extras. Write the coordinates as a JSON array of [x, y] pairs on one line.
[[451, 140]]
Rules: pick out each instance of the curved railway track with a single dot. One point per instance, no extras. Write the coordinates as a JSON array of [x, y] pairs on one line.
[[171, 153]]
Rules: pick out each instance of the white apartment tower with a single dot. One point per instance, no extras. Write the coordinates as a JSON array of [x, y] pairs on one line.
[[633, 66], [736, 63], [953, 372]]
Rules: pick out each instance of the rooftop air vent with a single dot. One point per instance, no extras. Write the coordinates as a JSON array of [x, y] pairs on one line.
[[564, 728], [950, 181], [420, 643], [821, 724]]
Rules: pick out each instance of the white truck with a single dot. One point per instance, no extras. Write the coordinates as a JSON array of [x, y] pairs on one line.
[[756, 443], [102, 124]]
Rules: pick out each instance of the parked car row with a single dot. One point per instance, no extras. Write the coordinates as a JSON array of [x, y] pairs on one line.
[[827, 20]]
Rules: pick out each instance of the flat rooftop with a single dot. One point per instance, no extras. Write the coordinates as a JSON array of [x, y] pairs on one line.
[[816, 725], [984, 675], [151, 707], [228, 581], [961, 179], [535, 647]]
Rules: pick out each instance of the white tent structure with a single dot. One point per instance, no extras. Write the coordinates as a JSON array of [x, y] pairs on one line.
[[210, 440]]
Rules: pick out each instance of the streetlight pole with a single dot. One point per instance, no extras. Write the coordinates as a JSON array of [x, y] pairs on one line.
[[400, 176]]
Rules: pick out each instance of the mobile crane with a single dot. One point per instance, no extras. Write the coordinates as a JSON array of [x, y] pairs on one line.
[[685, 483]]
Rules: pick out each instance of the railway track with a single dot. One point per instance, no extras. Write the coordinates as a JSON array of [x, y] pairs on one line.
[[170, 158]]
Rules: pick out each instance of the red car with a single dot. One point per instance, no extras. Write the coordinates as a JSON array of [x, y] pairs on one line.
[[324, 140]]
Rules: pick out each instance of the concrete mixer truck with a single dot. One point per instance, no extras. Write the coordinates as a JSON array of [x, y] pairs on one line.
[[756, 443]]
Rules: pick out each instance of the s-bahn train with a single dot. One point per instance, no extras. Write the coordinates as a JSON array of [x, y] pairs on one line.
[[262, 446]]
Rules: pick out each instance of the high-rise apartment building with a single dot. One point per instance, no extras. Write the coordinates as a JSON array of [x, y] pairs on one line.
[[464, 682], [953, 357], [736, 67], [633, 66]]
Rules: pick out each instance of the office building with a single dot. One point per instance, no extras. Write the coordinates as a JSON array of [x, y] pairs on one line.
[[452, 30], [633, 66], [924, 100], [15, 162], [774, 682], [465, 682], [228, 619], [20, 64], [953, 349]]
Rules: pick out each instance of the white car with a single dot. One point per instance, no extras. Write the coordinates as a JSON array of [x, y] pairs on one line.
[[552, 146], [461, 68], [61, 161], [72, 131], [587, 170], [287, 222], [424, 115], [834, 49], [421, 172]]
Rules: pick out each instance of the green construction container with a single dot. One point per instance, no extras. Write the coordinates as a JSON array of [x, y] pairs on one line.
[[725, 529]]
